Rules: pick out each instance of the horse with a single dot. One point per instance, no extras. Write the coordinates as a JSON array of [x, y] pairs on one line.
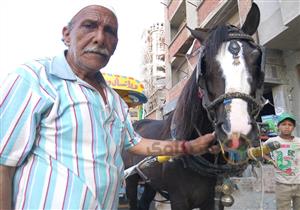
[[223, 95]]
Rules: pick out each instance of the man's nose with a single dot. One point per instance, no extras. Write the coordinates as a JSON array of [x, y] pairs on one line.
[[99, 37]]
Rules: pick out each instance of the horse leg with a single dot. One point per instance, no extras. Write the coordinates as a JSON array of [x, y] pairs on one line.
[[209, 204], [147, 197], [131, 191], [179, 201], [175, 205]]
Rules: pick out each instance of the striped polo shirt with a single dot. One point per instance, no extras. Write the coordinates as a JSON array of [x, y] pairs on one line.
[[64, 140]]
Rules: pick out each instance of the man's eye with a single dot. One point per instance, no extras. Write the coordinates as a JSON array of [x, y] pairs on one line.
[[90, 25], [110, 31]]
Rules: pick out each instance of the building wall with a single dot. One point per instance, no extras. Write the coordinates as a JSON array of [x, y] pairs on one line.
[[205, 9], [279, 32], [154, 70], [291, 60], [152, 115], [200, 13]]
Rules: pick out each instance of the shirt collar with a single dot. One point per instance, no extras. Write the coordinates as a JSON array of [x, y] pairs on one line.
[[61, 68]]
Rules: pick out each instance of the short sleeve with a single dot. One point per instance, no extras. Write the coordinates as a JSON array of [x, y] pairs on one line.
[[21, 106], [269, 140], [131, 136]]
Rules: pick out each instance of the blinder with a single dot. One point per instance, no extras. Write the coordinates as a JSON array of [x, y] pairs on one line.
[[255, 104]]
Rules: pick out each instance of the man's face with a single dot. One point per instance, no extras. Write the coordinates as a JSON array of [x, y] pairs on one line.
[[286, 127], [92, 38]]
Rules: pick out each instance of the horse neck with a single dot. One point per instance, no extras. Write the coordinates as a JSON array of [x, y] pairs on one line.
[[189, 114]]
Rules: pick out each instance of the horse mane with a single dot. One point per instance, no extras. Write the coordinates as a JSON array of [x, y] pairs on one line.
[[212, 44], [190, 117], [187, 114]]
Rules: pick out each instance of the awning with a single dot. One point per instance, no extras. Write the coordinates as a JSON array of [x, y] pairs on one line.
[[130, 89]]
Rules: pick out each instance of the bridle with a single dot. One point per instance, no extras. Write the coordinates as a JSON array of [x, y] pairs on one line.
[[199, 163], [255, 103]]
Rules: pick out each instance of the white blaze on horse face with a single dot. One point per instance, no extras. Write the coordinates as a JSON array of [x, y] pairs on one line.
[[236, 80]]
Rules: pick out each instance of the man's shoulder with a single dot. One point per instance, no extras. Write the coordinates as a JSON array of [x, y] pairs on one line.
[[43, 63], [35, 67], [34, 71]]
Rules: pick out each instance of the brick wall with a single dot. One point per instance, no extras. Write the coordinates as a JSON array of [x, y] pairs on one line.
[[152, 115], [205, 9], [173, 7], [175, 91], [177, 43]]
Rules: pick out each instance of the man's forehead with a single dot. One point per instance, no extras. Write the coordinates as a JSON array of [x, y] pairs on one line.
[[71, 8], [96, 13]]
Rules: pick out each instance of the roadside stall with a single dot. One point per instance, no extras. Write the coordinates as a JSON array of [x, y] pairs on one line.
[[130, 89]]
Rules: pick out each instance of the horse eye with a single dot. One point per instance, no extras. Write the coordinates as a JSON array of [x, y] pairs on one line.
[[255, 54]]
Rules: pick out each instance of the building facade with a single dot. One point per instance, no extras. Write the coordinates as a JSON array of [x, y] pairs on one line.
[[279, 33], [154, 71]]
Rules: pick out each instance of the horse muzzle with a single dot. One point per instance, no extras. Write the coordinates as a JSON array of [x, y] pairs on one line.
[[235, 148]]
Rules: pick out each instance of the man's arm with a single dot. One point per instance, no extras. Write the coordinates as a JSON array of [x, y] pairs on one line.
[[6, 179], [200, 145]]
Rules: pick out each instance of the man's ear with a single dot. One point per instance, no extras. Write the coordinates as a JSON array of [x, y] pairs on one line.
[[66, 36]]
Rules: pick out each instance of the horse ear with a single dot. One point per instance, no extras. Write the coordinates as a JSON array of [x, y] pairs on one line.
[[200, 34], [252, 20]]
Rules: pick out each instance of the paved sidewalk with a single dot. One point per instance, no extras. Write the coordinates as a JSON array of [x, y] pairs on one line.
[[246, 200], [249, 195]]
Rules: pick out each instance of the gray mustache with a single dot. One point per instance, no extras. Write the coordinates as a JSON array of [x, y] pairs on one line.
[[102, 51]]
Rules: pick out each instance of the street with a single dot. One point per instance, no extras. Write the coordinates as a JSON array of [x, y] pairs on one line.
[[249, 195]]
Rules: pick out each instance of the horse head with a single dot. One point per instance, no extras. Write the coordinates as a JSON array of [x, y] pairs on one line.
[[230, 78]]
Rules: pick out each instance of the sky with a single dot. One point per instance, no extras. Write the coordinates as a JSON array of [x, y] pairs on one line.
[[32, 29]]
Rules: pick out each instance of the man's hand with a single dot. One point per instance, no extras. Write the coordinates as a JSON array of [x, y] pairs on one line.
[[197, 146], [202, 145]]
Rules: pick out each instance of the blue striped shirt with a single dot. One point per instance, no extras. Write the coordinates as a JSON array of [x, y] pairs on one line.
[[64, 140]]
